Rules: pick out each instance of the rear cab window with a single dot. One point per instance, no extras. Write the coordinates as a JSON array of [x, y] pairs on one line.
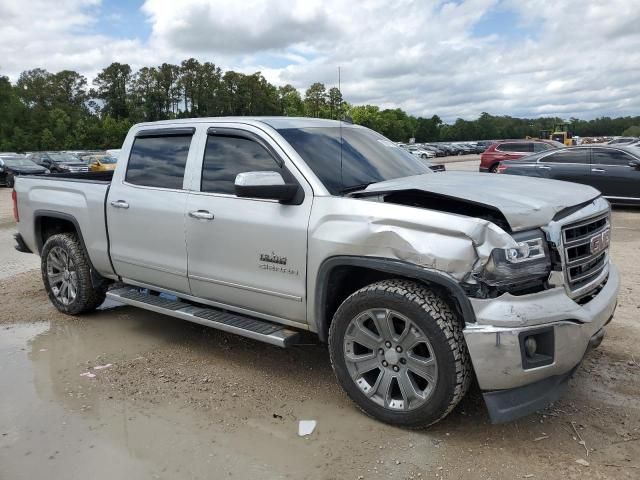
[[159, 159]]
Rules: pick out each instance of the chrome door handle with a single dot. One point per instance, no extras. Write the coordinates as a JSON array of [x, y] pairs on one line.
[[544, 167], [201, 215], [598, 170], [119, 204]]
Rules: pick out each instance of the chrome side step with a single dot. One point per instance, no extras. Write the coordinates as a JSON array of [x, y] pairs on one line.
[[249, 327]]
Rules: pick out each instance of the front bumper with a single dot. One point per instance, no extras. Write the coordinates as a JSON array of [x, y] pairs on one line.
[[495, 340]]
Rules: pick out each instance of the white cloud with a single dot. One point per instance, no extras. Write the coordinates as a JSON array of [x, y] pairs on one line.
[[570, 58]]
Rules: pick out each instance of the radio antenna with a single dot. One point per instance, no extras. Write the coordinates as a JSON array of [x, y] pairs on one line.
[[340, 127]]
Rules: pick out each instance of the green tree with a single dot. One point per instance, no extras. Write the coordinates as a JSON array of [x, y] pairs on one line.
[[112, 88], [291, 103], [315, 100], [47, 140], [335, 103], [633, 131]]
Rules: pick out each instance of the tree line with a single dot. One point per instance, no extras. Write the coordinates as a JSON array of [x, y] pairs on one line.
[[53, 111]]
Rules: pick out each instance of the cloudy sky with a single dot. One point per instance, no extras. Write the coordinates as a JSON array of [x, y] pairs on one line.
[[452, 58]]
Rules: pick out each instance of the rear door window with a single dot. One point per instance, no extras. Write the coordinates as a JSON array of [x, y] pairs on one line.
[[578, 155], [516, 147], [158, 161], [541, 147]]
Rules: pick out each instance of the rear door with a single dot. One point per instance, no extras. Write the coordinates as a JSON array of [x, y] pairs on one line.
[[612, 175], [248, 253], [146, 210], [569, 164]]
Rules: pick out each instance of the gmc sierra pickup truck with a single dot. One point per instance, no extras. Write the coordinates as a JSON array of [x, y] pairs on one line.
[[268, 227]]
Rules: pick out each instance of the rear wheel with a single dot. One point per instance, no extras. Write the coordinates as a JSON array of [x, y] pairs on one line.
[[67, 275], [397, 350], [10, 181], [494, 168]]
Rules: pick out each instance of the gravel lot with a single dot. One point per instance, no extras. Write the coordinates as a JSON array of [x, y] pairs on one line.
[[184, 401]]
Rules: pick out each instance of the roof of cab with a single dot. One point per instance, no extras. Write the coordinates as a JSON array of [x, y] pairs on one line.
[[274, 122]]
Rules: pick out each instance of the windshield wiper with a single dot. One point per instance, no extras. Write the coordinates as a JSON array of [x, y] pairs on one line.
[[355, 188]]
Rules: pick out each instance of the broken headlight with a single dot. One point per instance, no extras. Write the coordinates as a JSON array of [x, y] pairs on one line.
[[529, 260]]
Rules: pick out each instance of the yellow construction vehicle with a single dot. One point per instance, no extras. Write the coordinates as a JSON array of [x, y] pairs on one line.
[[562, 134]]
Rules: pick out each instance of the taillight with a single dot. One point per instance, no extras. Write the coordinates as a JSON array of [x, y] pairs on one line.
[[14, 198], [501, 168]]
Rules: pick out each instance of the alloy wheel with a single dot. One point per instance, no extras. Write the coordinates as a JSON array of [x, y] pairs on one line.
[[390, 359]]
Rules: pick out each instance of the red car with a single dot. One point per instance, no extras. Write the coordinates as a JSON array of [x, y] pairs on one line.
[[512, 150]]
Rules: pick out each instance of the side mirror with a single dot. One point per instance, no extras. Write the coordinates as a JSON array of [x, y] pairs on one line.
[[267, 185], [635, 164]]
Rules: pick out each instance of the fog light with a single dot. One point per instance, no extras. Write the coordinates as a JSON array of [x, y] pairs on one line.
[[530, 346]]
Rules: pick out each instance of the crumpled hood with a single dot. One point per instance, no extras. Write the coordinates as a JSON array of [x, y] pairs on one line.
[[525, 202]]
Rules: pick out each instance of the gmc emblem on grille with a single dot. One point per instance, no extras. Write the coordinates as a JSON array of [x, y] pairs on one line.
[[599, 242]]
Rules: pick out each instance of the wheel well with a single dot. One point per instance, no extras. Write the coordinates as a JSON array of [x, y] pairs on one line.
[[49, 226], [343, 280]]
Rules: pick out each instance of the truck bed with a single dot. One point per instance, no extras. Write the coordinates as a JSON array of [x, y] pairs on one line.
[[78, 198]]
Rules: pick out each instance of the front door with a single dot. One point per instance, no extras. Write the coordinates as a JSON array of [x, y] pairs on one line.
[[569, 164], [612, 174], [247, 253], [146, 211]]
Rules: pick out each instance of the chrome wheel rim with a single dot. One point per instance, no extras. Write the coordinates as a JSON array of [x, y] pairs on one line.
[[390, 359], [62, 276]]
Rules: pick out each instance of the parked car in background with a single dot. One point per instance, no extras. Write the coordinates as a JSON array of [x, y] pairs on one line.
[[484, 144], [512, 150], [438, 151], [101, 163], [59, 162], [420, 152], [622, 141], [614, 170], [13, 165]]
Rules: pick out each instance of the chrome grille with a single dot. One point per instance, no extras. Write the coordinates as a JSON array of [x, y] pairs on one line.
[[586, 252]]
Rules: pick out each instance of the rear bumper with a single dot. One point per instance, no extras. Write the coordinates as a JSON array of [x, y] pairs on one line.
[[514, 385], [484, 169]]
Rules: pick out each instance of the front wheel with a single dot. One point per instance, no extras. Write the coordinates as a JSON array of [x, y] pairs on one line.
[[10, 181], [67, 275], [397, 350]]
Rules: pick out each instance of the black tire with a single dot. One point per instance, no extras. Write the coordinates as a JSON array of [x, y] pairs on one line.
[[9, 181], [494, 168], [87, 296], [440, 324]]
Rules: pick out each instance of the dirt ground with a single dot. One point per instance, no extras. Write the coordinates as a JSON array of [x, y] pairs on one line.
[[183, 401]]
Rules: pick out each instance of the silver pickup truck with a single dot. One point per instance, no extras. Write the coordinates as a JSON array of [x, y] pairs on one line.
[[269, 227]]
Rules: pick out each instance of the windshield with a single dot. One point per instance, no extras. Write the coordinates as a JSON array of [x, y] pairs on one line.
[[18, 162], [367, 157], [108, 159], [63, 157]]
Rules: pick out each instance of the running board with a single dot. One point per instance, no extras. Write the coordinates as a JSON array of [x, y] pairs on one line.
[[249, 327]]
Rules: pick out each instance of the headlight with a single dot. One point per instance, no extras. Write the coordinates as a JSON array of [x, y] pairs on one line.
[[46, 170], [63, 166], [528, 261]]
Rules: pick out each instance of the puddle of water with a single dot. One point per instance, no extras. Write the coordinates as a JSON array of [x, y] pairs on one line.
[[56, 424]]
